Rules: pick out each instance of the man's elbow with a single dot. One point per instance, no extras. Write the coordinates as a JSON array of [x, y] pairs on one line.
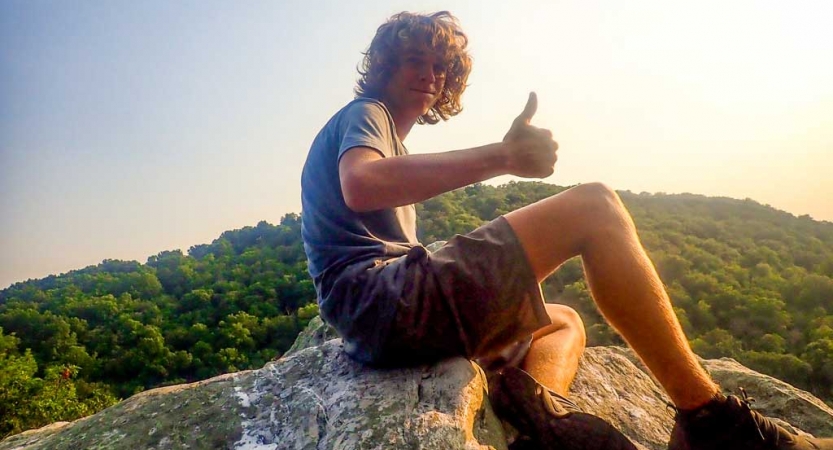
[[358, 204], [356, 196]]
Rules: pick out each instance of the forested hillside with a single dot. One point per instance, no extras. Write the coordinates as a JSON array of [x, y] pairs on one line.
[[747, 281]]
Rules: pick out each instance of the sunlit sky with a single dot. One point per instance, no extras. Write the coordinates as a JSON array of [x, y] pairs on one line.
[[130, 128]]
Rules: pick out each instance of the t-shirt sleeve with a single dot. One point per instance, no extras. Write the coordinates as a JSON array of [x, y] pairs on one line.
[[366, 124]]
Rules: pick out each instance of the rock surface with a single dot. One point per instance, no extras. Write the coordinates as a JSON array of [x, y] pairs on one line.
[[316, 398]]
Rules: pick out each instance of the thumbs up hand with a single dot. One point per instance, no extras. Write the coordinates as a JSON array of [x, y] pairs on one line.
[[531, 150]]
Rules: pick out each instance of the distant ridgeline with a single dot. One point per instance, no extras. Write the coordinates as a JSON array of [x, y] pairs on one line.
[[747, 281]]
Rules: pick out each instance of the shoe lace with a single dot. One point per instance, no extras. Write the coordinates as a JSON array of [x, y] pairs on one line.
[[764, 426], [556, 405]]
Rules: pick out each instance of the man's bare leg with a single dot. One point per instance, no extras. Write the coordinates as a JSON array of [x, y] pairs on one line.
[[591, 221], [556, 349]]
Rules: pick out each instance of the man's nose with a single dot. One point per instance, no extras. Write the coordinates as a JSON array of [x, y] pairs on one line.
[[426, 72]]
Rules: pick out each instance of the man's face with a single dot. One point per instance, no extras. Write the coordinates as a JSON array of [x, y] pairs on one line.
[[417, 83]]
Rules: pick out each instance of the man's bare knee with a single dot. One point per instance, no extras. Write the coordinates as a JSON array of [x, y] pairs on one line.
[[557, 228], [564, 318], [600, 201], [591, 204], [603, 212]]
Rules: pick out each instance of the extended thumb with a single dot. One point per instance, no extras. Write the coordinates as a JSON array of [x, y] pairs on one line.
[[530, 108]]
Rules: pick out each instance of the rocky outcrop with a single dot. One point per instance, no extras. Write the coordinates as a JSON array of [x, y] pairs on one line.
[[316, 398]]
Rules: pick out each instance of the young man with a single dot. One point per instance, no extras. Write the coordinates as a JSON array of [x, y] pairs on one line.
[[395, 304]]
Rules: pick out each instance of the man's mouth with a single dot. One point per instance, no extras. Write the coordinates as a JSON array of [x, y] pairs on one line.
[[424, 92]]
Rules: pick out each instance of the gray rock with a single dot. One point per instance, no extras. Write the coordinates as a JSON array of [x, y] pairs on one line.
[[316, 333], [610, 386], [317, 398]]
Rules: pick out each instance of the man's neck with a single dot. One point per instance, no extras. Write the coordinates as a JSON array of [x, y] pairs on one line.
[[403, 127], [402, 120], [403, 124]]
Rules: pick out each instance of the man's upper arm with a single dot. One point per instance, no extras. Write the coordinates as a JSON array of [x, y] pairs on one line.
[[366, 124], [351, 173], [368, 137]]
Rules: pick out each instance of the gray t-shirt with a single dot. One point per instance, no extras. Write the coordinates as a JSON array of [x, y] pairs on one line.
[[335, 237]]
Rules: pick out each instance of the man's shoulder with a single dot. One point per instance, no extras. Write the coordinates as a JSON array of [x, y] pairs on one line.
[[364, 106], [358, 110], [362, 116]]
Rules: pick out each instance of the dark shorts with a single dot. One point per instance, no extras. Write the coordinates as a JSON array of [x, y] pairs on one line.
[[475, 297]]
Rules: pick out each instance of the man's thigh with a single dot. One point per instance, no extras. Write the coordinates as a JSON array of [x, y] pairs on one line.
[[473, 297]]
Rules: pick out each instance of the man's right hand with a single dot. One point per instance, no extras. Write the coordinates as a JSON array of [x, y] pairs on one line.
[[531, 151]]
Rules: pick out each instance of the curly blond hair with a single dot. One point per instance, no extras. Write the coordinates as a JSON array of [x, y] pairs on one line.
[[438, 33]]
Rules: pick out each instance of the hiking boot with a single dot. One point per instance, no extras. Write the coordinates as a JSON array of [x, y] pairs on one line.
[[547, 420], [729, 423]]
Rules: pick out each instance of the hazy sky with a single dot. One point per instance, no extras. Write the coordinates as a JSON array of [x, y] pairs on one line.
[[129, 128]]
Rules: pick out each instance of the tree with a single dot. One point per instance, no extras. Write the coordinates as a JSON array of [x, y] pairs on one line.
[[717, 343], [27, 401], [819, 354]]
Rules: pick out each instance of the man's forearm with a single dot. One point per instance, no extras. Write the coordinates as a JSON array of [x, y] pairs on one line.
[[389, 182]]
